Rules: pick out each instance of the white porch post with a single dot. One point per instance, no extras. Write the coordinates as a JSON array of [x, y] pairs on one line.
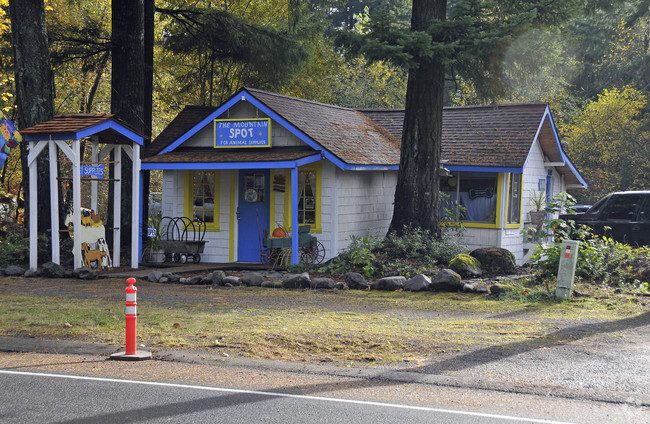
[[295, 257], [54, 201], [33, 210], [76, 202], [117, 203], [93, 184], [35, 149], [136, 211]]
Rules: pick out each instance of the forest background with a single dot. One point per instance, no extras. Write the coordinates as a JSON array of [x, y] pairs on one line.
[[594, 69]]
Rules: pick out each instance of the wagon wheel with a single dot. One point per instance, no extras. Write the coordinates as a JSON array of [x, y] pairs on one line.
[[318, 252], [268, 256], [196, 258], [182, 258], [313, 254]]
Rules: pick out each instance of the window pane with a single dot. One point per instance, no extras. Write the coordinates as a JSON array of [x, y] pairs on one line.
[[514, 199], [307, 198], [203, 201], [478, 194]]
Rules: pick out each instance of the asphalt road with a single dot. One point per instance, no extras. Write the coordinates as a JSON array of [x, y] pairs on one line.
[[66, 388], [39, 397]]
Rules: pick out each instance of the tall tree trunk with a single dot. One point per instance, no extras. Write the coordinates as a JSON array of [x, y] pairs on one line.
[[128, 87], [417, 192], [149, 11], [34, 92]]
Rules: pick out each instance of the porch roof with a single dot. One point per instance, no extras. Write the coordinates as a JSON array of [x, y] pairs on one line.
[[109, 128], [230, 158]]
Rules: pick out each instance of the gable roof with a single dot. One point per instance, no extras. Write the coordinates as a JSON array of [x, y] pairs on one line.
[[106, 126], [493, 138]]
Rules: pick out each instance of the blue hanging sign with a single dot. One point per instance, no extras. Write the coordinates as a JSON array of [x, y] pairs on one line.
[[9, 138], [92, 171], [242, 132]]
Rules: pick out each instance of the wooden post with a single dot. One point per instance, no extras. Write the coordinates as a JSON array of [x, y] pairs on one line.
[[117, 204], [136, 207], [76, 202], [54, 201], [295, 257]]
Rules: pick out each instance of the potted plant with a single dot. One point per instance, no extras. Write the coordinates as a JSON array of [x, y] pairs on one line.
[[154, 246], [537, 214]]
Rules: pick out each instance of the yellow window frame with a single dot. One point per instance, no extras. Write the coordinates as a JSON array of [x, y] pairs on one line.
[[317, 226], [521, 199], [189, 194]]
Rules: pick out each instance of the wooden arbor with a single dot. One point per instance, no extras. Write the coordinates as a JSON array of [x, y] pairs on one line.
[[66, 133]]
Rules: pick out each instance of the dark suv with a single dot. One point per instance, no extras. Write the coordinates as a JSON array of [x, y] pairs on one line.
[[627, 213]]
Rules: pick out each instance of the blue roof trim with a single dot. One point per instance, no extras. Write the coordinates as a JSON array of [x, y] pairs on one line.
[[347, 167], [565, 158], [232, 165], [244, 95], [198, 127], [88, 132], [295, 131], [460, 168]]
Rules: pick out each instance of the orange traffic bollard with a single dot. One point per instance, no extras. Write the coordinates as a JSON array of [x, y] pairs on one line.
[[131, 351]]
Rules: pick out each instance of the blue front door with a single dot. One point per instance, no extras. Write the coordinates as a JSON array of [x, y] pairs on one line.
[[252, 213]]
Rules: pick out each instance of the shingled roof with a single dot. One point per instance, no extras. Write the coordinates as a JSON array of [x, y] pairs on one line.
[[486, 136], [109, 128], [347, 133], [474, 136]]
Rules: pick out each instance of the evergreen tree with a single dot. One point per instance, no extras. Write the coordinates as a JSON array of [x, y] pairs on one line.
[[466, 39], [34, 92]]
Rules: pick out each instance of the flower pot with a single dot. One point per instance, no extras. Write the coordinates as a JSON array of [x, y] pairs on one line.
[[537, 217], [157, 256]]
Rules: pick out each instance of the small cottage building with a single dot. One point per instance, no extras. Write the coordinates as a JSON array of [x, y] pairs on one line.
[[262, 160]]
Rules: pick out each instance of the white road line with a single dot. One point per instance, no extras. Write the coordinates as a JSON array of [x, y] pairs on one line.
[[286, 395]]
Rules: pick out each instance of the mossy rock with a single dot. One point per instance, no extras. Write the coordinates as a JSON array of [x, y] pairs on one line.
[[495, 259], [466, 265]]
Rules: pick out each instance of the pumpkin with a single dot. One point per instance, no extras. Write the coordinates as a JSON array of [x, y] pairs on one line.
[[279, 233]]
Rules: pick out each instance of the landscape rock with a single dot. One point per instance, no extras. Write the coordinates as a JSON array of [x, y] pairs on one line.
[[171, 277], [497, 289], [271, 284], [322, 283], [300, 281], [355, 281], [233, 280], [418, 283], [84, 273], [52, 270], [163, 280], [390, 283], [194, 281], [217, 277], [495, 259], [466, 265], [252, 279], [475, 287], [32, 273], [154, 276], [15, 271], [340, 286], [446, 280]]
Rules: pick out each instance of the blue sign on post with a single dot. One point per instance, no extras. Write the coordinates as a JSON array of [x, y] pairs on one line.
[[92, 170], [242, 132]]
